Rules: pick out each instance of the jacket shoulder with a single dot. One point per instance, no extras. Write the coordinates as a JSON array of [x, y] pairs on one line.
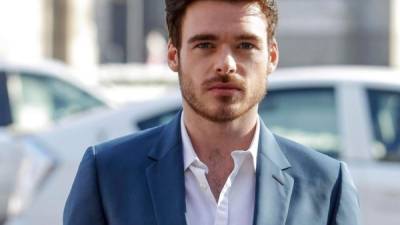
[[134, 147], [308, 163]]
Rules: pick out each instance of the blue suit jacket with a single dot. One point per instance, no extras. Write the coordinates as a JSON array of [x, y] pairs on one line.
[[139, 180]]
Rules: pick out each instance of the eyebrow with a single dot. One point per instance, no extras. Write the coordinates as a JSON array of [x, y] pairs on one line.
[[212, 37], [202, 37], [248, 37]]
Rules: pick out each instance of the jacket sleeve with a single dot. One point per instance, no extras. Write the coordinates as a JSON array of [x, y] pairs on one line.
[[347, 210], [84, 205]]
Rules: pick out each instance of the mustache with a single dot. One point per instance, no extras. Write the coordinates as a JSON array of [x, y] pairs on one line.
[[233, 80]]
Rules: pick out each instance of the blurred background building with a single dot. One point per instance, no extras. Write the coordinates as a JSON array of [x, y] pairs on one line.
[[91, 32]]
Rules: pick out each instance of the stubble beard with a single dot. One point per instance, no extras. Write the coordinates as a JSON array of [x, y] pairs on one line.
[[229, 108]]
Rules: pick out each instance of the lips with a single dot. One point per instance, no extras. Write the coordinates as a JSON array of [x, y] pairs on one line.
[[227, 87]]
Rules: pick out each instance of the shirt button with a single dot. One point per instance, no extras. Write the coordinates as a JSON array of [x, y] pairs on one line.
[[203, 187]]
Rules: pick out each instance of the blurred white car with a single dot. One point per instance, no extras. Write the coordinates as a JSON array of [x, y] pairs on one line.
[[350, 113], [32, 98]]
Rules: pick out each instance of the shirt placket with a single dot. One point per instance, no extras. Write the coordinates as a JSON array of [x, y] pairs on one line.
[[199, 170], [222, 213]]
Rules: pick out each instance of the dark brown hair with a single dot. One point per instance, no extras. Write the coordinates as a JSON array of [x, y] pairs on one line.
[[175, 10]]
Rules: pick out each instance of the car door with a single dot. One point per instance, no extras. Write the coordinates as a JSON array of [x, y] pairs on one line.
[[381, 174]]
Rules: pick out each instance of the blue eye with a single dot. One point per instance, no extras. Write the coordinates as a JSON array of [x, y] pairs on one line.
[[246, 45], [204, 45]]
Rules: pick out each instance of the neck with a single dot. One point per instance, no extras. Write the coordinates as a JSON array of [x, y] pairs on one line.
[[210, 137]]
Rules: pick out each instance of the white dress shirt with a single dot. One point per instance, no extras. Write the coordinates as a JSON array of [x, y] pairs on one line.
[[236, 201]]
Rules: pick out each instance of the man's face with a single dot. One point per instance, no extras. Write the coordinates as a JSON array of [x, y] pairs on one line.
[[224, 58]]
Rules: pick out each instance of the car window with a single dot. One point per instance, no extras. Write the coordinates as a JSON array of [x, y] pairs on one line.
[[5, 111], [158, 119], [308, 116], [385, 117], [49, 97]]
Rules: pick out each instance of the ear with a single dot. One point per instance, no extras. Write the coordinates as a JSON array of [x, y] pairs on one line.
[[173, 61], [273, 56]]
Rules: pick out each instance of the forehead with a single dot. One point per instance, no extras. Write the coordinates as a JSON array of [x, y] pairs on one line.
[[223, 18]]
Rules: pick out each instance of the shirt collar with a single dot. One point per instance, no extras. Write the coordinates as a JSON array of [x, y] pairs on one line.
[[190, 156]]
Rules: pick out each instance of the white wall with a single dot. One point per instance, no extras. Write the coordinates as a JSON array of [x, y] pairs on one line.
[[395, 34], [22, 31], [82, 35]]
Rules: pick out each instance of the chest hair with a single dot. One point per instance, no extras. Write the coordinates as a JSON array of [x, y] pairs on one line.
[[219, 168]]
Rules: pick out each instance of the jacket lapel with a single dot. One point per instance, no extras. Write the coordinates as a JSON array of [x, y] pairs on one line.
[[273, 185], [165, 176]]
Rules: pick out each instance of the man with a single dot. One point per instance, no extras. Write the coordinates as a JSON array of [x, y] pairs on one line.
[[216, 162]]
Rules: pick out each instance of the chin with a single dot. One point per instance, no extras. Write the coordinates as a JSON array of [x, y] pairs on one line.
[[224, 114]]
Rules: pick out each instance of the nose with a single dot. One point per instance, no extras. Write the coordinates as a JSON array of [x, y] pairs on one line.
[[225, 63]]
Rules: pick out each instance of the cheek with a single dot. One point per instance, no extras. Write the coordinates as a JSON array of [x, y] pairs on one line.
[[188, 78], [256, 75], [189, 62], [195, 71], [256, 70], [255, 62], [257, 83]]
